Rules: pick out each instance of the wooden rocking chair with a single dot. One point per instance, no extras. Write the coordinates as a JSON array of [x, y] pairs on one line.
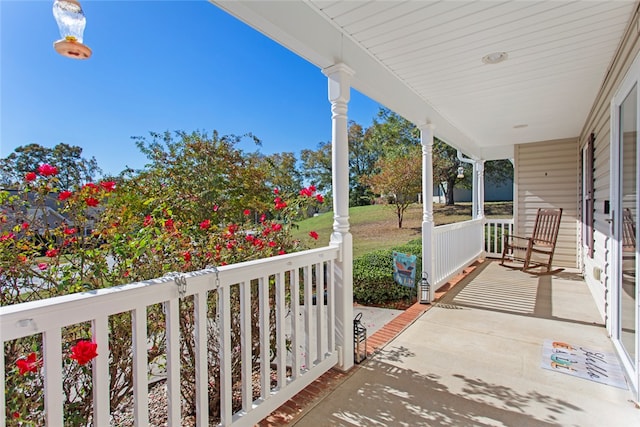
[[535, 251]]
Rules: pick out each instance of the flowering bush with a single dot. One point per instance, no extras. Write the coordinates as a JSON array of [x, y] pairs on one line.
[[105, 234]]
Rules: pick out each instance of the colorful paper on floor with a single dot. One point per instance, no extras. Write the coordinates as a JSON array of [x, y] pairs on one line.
[[581, 362]]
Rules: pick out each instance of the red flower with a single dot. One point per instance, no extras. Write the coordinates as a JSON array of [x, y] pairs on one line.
[[319, 198], [108, 185], [250, 237], [147, 221], [69, 231], [70, 241], [168, 224], [312, 188], [280, 205], [64, 195], [47, 170], [84, 351], [30, 176], [90, 201], [186, 256], [276, 191], [25, 225], [313, 235], [305, 192], [91, 186], [276, 227], [215, 208], [246, 212], [281, 252], [9, 236], [43, 266], [272, 244], [16, 415], [205, 224], [52, 253], [263, 217], [28, 364]]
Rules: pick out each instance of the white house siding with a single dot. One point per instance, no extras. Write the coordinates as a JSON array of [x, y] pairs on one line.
[[598, 122], [547, 176]]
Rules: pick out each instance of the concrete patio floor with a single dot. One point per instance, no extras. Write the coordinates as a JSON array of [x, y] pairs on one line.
[[473, 359]]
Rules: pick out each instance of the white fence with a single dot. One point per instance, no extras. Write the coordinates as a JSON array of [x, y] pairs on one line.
[[455, 247], [494, 229], [305, 345]]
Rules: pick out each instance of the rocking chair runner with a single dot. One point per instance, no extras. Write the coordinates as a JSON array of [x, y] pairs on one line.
[[537, 250]]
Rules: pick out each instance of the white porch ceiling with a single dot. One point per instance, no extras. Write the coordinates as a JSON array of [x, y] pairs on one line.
[[423, 60]]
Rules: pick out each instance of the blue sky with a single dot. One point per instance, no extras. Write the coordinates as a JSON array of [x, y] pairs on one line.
[[156, 66]]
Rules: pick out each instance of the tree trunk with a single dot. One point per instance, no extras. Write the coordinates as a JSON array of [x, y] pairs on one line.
[[399, 212], [449, 193]]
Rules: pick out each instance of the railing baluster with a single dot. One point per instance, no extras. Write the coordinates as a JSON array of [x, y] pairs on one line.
[[320, 311], [246, 345], [53, 377], [308, 307], [295, 324], [265, 369], [100, 371], [281, 343], [331, 308], [202, 371], [224, 329], [140, 362], [172, 319]]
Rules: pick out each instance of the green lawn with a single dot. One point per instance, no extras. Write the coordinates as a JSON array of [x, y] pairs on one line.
[[376, 226]]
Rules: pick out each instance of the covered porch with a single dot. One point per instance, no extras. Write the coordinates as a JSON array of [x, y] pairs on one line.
[[474, 358]]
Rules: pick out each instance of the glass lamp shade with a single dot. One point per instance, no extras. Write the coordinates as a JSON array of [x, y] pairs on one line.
[[71, 22], [460, 172]]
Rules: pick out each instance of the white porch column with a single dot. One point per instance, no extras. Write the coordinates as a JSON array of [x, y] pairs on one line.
[[480, 187], [339, 77], [474, 192], [426, 139]]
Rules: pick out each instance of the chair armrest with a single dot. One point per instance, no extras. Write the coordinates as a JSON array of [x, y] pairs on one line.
[[511, 236]]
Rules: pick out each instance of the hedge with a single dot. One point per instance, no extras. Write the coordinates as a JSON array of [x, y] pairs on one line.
[[373, 282]]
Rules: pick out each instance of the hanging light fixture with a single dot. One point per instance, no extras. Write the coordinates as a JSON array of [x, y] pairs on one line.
[[71, 22], [460, 172]]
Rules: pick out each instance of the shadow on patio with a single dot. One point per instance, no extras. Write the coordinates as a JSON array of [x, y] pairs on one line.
[[474, 359]]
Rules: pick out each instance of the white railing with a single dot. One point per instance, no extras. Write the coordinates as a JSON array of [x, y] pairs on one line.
[[305, 343], [455, 247], [494, 229]]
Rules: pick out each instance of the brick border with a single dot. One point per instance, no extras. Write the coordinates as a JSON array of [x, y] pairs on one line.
[[308, 398]]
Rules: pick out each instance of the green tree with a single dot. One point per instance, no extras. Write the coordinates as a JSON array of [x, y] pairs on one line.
[[363, 155], [73, 169], [399, 179], [499, 171], [281, 171], [316, 166], [445, 168], [195, 173], [392, 134]]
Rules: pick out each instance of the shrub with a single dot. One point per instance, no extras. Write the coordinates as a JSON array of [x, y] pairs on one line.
[[373, 282], [112, 235]]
